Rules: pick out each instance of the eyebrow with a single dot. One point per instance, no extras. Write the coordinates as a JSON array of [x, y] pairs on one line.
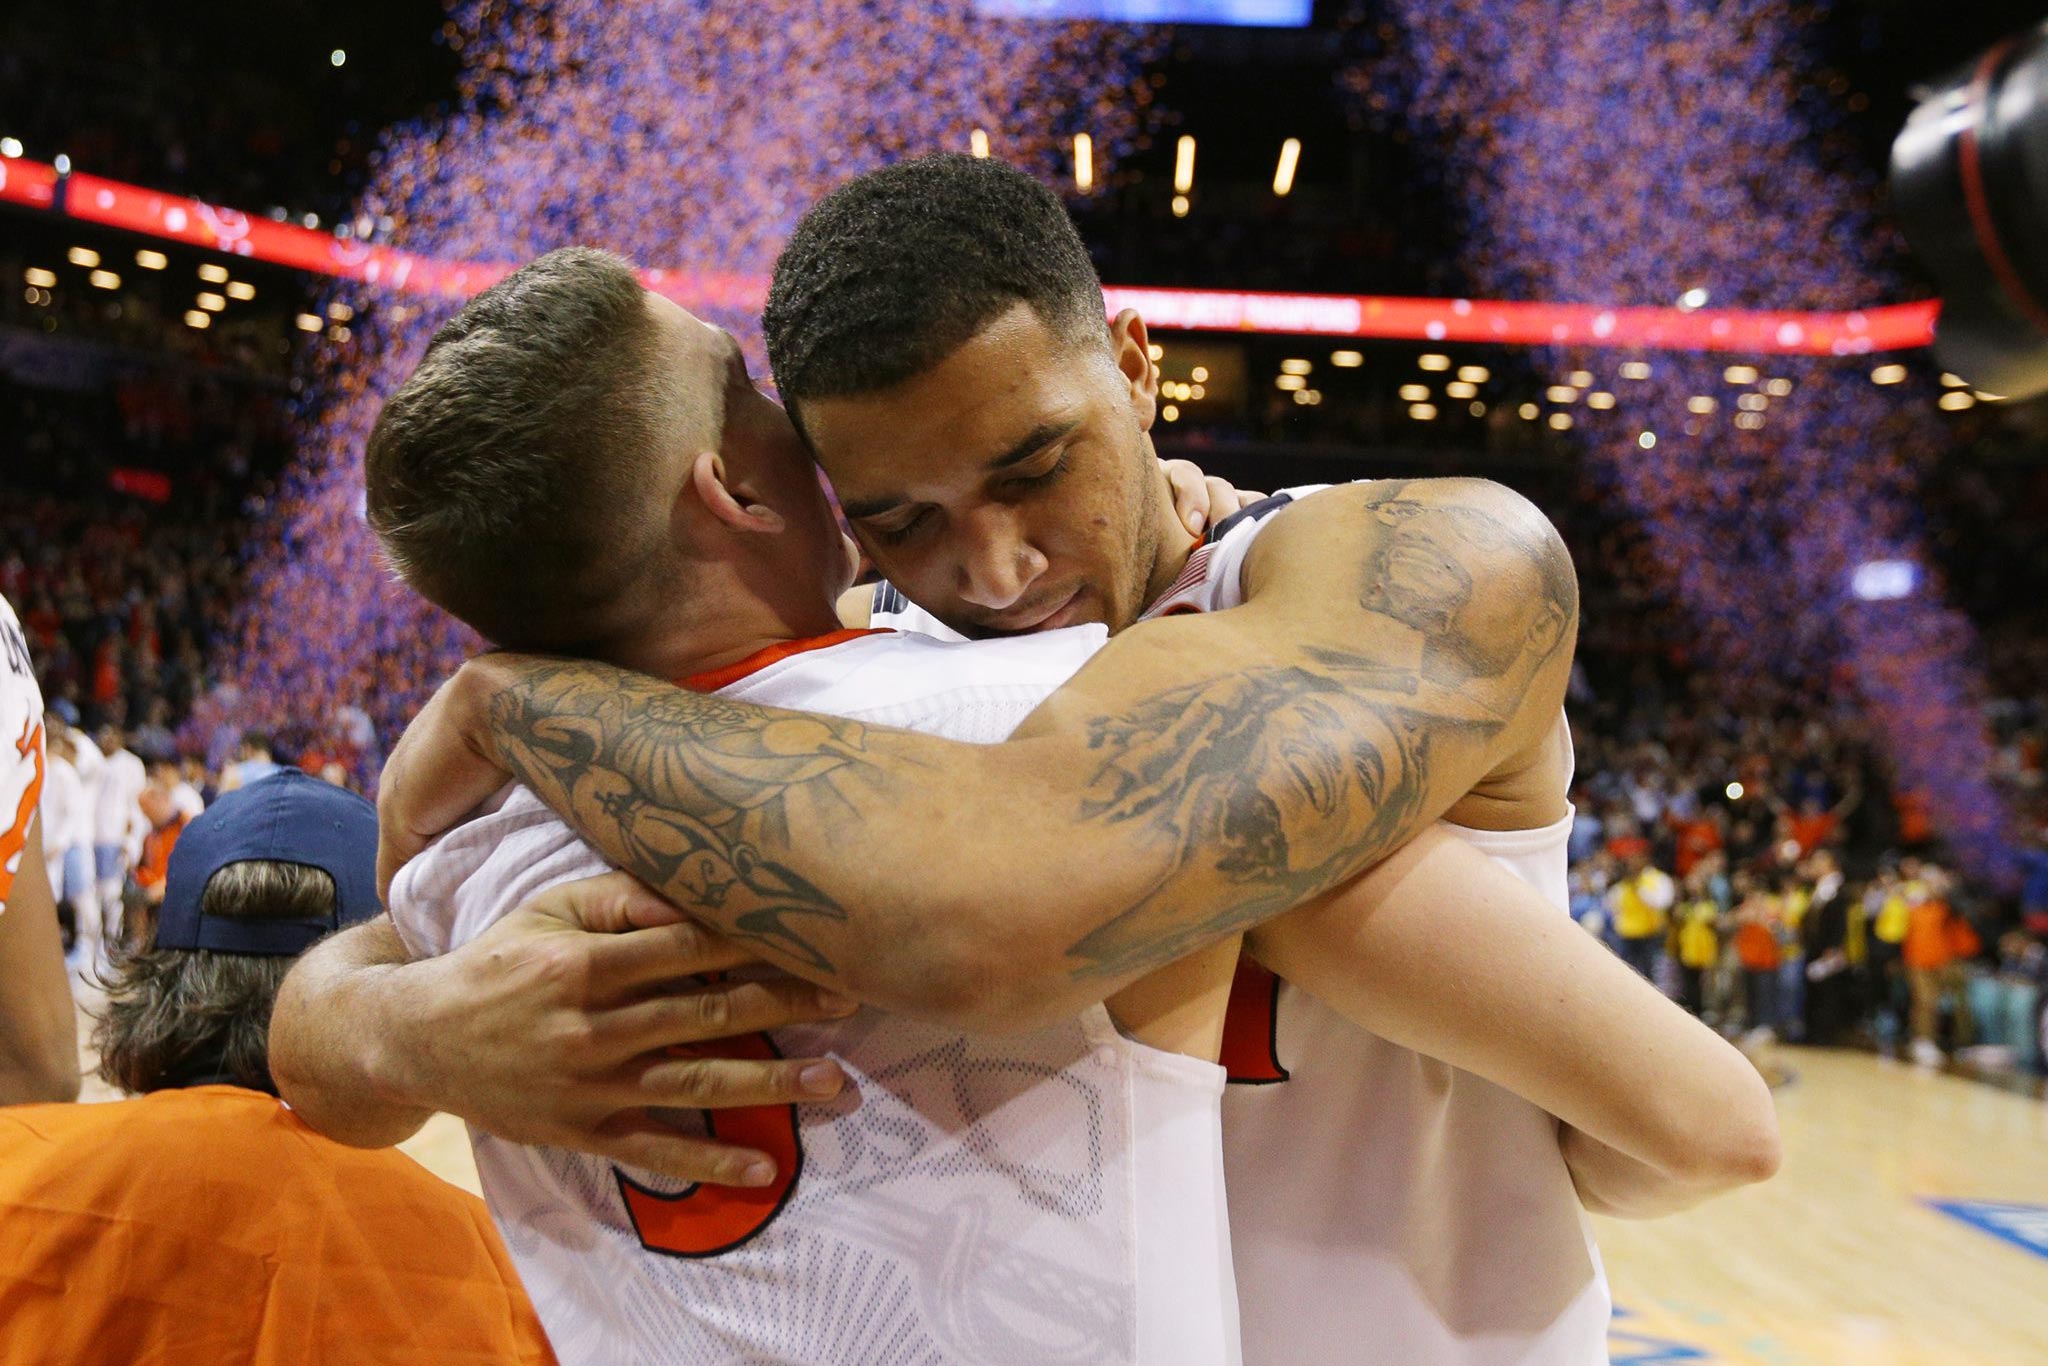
[[1034, 441]]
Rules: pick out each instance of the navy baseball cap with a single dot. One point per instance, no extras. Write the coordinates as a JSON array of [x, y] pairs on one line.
[[287, 817]]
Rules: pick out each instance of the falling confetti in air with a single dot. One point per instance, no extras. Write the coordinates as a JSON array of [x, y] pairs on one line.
[[683, 134], [1679, 152]]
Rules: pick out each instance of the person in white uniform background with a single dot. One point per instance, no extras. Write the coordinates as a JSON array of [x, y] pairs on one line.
[[38, 1027], [119, 826], [67, 835]]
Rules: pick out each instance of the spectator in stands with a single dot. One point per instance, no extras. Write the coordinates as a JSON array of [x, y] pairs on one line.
[[1695, 837], [1639, 903], [311, 1251], [252, 762], [1795, 898], [1812, 824], [1888, 915], [1699, 939], [1928, 953], [168, 809], [2034, 893], [153, 738], [1759, 933], [1832, 998], [119, 826], [67, 832]]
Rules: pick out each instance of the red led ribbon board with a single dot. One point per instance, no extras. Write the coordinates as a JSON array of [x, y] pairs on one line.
[[1500, 322]]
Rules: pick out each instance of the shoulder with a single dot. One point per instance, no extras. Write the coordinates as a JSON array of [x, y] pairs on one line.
[[1478, 526]]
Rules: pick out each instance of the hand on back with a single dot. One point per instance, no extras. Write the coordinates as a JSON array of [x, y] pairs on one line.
[[572, 1018], [1201, 500]]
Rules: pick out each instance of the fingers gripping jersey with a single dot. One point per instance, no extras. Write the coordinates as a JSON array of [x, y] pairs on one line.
[[1047, 1198], [21, 747], [1384, 1206]]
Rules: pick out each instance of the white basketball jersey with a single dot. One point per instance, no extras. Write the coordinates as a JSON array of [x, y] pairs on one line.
[[21, 747], [1047, 1198], [1385, 1207]]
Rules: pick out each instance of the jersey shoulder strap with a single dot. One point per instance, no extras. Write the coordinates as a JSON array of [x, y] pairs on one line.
[[1210, 580], [891, 608]]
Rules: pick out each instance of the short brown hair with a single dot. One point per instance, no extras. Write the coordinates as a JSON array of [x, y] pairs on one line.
[[502, 474], [177, 1017]]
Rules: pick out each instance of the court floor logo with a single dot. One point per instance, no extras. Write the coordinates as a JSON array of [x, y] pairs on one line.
[[2024, 1226], [1629, 1345]]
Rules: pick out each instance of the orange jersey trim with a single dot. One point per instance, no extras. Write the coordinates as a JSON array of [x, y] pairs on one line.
[[711, 680], [16, 839]]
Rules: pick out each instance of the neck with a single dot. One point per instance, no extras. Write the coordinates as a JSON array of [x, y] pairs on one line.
[[1171, 546], [720, 620]]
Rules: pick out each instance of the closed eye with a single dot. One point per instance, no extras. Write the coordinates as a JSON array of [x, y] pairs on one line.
[[897, 535], [1033, 481]]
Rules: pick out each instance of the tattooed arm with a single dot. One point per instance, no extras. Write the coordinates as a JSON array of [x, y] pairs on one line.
[[1401, 645]]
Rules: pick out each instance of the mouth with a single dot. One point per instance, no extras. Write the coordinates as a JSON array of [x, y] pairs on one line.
[[1057, 613]]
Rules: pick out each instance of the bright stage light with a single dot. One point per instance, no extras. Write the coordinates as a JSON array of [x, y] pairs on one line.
[[1283, 174]]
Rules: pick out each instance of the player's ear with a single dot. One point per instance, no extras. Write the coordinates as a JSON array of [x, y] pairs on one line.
[[709, 481], [1131, 344]]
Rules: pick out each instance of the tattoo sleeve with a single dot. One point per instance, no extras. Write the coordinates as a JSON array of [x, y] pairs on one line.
[[1199, 776]]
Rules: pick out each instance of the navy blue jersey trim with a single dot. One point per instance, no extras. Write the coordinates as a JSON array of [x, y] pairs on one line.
[[888, 599], [1265, 507]]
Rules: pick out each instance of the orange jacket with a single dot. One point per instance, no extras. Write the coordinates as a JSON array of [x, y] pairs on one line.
[[210, 1227], [1756, 946], [1927, 936], [156, 853]]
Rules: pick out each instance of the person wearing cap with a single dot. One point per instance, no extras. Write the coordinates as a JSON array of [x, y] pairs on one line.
[[203, 1221]]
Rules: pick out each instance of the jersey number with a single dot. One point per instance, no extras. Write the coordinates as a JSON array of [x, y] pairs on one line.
[[1251, 1025], [703, 1221]]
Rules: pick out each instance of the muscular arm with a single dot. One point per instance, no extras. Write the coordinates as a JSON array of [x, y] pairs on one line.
[[38, 1026], [1202, 774], [1441, 950], [339, 1076], [552, 1028]]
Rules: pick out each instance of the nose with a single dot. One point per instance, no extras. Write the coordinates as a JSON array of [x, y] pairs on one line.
[[998, 562]]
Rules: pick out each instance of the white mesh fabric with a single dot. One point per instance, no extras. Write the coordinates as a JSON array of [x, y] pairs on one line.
[[966, 1200]]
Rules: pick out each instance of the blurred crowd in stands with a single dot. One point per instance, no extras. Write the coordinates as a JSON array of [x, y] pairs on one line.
[[1754, 855], [119, 92]]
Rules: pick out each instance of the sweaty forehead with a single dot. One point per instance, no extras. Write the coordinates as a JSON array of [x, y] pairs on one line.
[[1001, 396]]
